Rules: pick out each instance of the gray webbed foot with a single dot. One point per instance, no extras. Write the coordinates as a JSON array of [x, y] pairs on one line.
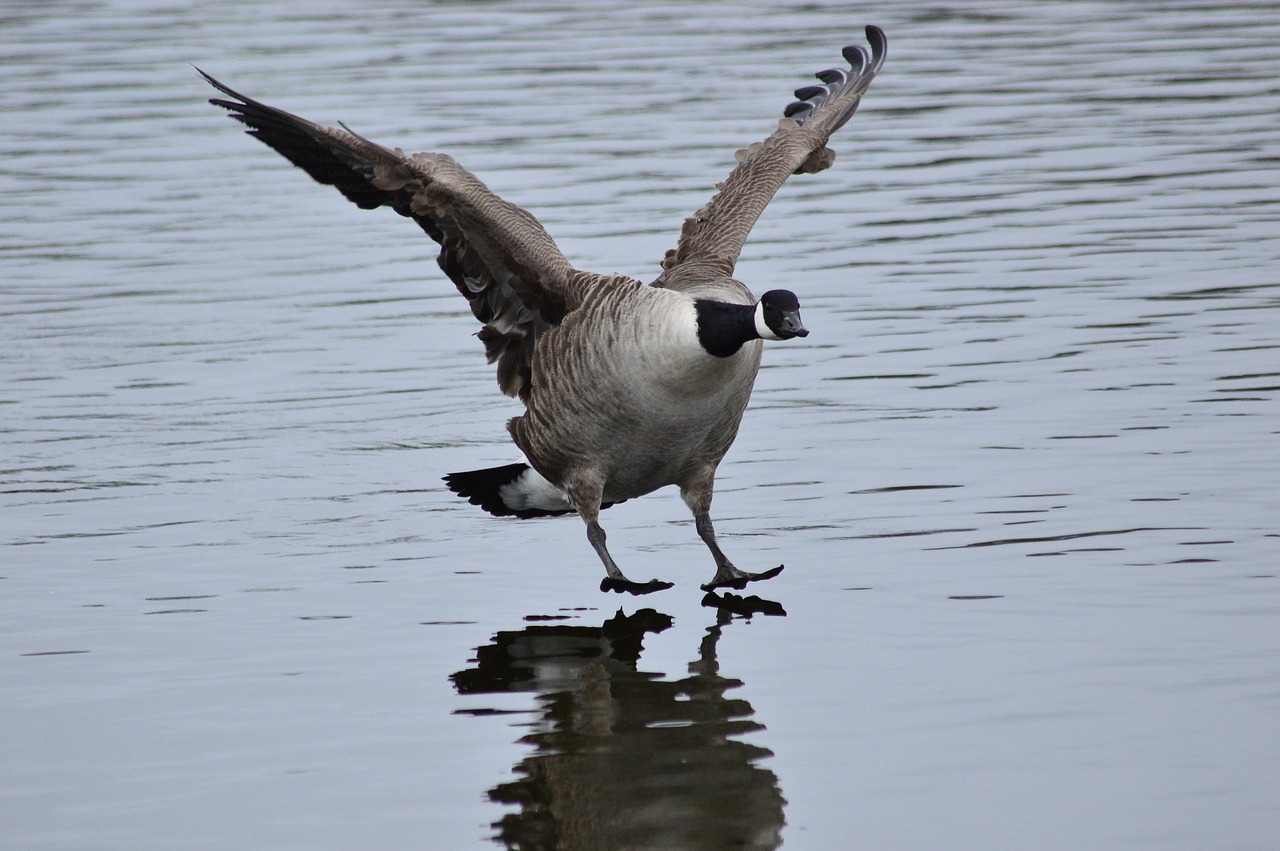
[[738, 579], [626, 586]]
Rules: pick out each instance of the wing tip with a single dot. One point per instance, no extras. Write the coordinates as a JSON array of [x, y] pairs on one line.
[[864, 65], [879, 44], [222, 87]]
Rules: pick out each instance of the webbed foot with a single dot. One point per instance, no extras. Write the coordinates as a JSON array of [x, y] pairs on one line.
[[626, 586], [738, 579]]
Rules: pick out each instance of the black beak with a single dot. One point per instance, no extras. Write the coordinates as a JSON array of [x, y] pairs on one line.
[[791, 326]]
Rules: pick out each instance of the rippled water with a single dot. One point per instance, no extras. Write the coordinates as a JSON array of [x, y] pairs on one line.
[[1022, 473]]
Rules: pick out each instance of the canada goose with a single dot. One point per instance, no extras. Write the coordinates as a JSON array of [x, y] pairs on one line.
[[627, 387]]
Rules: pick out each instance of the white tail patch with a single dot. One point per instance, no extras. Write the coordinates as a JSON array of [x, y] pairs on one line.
[[530, 491]]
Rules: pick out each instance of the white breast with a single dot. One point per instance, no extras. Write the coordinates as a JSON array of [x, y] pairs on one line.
[[675, 388]]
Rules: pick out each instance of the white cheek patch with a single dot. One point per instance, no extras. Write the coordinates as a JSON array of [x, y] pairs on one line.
[[765, 332]]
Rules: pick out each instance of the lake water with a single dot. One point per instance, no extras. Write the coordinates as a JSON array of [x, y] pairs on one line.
[[1023, 473]]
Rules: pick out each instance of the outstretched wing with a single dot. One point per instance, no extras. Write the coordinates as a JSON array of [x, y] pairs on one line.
[[713, 237], [497, 254]]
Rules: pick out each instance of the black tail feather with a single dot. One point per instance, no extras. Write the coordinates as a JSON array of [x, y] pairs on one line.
[[484, 488]]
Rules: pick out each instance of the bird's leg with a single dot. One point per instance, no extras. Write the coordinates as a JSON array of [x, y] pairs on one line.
[[596, 535], [698, 498], [727, 576], [586, 498], [707, 532]]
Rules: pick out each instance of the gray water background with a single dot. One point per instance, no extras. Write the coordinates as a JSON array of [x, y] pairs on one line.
[[1022, 473]]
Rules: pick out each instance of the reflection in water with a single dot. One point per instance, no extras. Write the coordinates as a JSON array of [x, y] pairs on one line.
[[622, 757]]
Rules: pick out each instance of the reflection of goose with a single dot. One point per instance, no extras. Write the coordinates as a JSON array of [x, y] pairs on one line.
[[623, 758], [628, 387]]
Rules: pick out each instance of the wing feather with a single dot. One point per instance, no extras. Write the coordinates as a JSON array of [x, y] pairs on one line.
[[515, 279], [712, 238]]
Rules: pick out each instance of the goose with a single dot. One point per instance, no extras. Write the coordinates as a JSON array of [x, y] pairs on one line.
[[627, 387]]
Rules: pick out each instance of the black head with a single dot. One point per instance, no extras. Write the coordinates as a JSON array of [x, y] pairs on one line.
[[779, 314]]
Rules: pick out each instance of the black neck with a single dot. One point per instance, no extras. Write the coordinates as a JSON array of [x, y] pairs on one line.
[[724, 327]]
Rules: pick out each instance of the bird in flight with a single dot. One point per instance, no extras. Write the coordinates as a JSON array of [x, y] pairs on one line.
[[628, 387]]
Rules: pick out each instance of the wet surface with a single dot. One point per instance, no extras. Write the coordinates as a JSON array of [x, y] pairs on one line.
[[1022, 472]]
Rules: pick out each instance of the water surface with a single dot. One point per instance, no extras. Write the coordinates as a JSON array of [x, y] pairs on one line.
[[1022, 473]]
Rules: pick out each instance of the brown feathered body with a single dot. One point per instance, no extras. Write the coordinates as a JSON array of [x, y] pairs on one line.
[[623, 391]]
